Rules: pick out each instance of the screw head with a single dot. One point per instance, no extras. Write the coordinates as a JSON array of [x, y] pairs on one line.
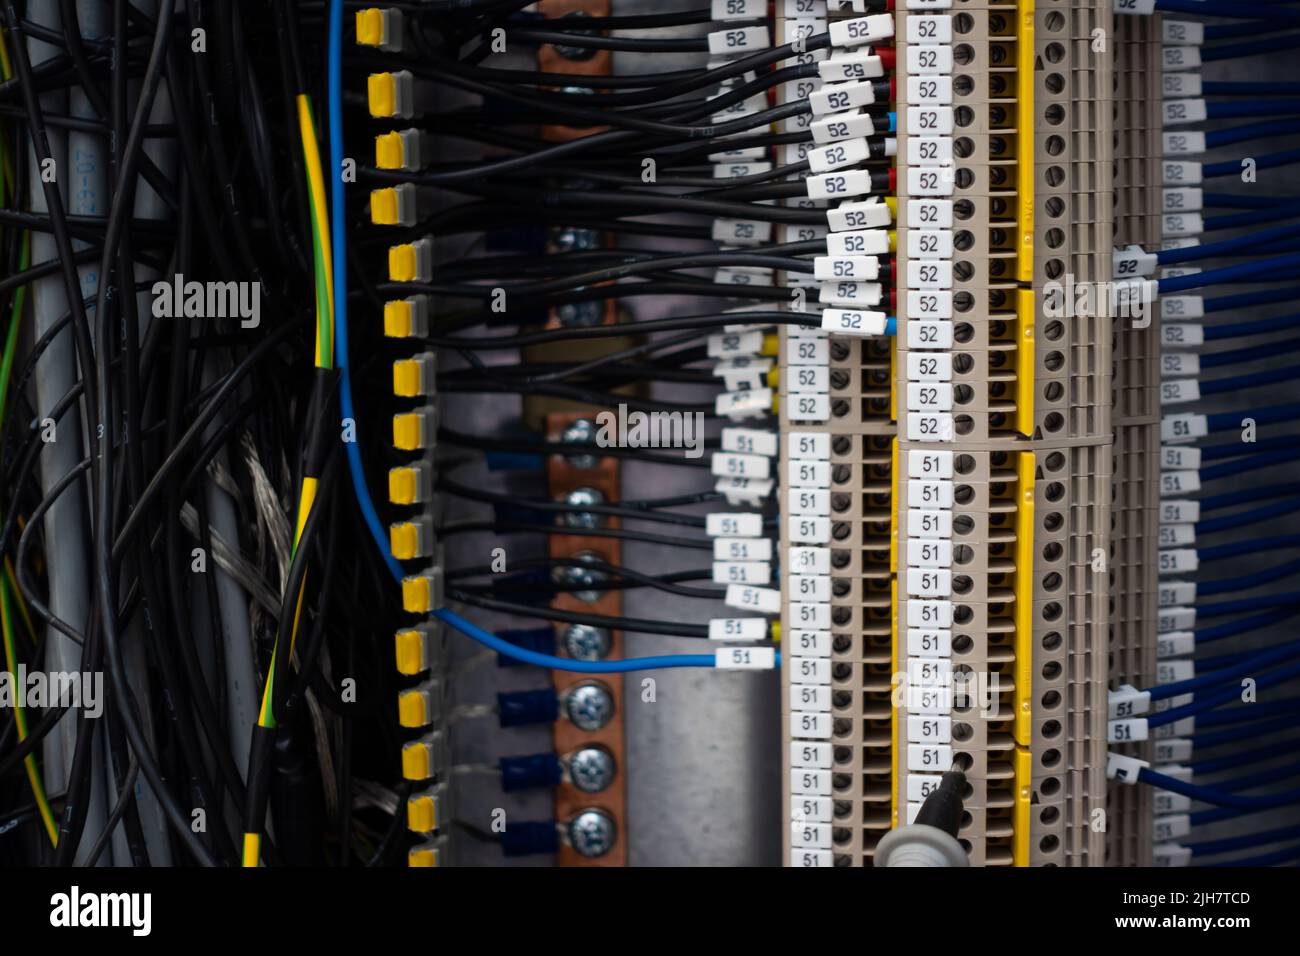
[[580, 315], [576, 53], [577, 498], [575, 239], [583, 431], [592, 769], [585, 580], [592, 833], [583, 642], [590, 706]]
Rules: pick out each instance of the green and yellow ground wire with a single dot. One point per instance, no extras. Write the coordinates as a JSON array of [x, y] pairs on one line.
[[324, 357]]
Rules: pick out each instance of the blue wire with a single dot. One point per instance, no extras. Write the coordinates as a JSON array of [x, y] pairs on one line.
[[1262, 778], [1248, 712], [1229, 9], [1246, 89], [339, 228], [1243, 270], [1264, 859], [1254, 516], [1235, 548], [469, 629], [1232, 109], [1249, 131], [1243, 465], [1214, 795], [1274, 656], [1216, 764], [1250, 354], [1221, 303], [1220, 697], [1237, 383], [1168, 257], [1238, 201], [1218, 737], [1236, 449], [1247, 582], [1220, 421], [1202, 817], [364, 499], [1231, 51], [1243, 842], [1262, 493], [1228, 330], [1220, 608], [1232, 167], [1243, 626], [1256, 215]]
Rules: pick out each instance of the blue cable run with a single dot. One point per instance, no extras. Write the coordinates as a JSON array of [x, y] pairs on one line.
[[1244, 626], [1232, 499], [1249, 712], [1248, 732], [1259, 297], [1221, 697], [1249, 131], [1244, 270], [1252, 354], [1229, 330], [1230, 10], [1257, 214], [1231, 51], [1216, 796], [1264, 859], [1236, 548], [1234, 109], [1231, 167], [505, 648], [1222, 421], [1168, 257], [364, 500], [1243, 842], [1240, 383], [1234, 88], [1220, 608], [1216, 678]]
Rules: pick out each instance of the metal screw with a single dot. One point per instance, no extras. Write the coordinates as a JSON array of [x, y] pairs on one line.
[[578, 53], [580, 432], [590, 706], [584, 642], [591, 769], [580, 315], [580, 497], [574, 239], [592, 833], [587, 580]]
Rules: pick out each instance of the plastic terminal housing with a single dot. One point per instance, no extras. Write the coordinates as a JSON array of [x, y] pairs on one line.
[[391, 95], [420, 648], [425, 758], [407, 318], [416, 429], [411, 261], [380, 27], [417, 376], [423, 593]]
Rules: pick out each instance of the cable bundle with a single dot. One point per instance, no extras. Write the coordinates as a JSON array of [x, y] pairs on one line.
[[174, 503], [1225, 657]]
